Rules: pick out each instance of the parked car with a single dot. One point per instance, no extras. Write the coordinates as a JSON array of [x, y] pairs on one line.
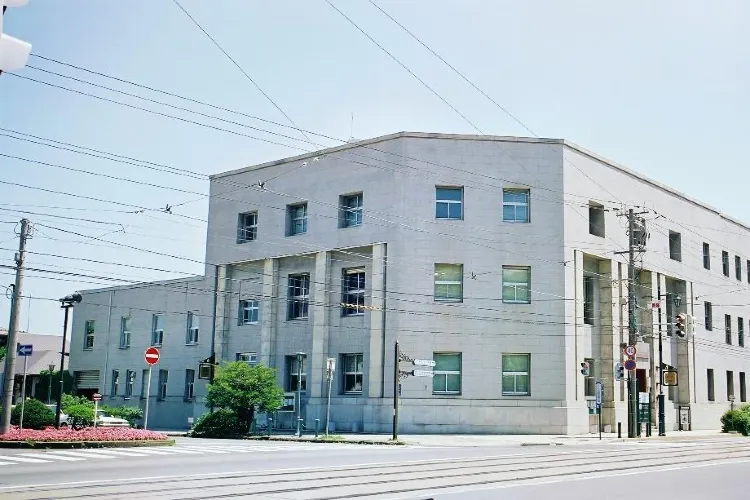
[[104, 419], [63, 416]]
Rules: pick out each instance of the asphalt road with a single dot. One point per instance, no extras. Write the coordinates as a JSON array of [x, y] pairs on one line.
[[197, 469]]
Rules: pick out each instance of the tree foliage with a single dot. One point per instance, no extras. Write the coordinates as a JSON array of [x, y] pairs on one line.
[[3, 352], [244, 389], [222, 423], [42, 386], [80, 416], [36, 415]]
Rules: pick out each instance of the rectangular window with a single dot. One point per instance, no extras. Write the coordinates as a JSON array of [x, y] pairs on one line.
[[516, 370], [449, 203], [157, 329], [189, 385], [728, 328], [351, 210], [251, 358], [730, 384], [129, 383], [725, 263], [710, 384], [596, 219], [708, 316], [163, 380], [675, 246], [249, 312], [88, 334], [516, 285], [446, 377], [449, 282], [738, 267], [741, 332], [124, 332], [298, 296], [706, 256], [294, 371], [743, 388], [193, 328], [588, 300], [353, 373], [296, 219], [516, 205], [115, 383], [353, 291], [247, 227], [144, 383]]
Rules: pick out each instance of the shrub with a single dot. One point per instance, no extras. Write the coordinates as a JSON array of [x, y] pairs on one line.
[[729, 420], [742, 423], [35, 414], [129, 413], [222, 423], [80, 416], [88, 434], [744, 408], [68, 401]]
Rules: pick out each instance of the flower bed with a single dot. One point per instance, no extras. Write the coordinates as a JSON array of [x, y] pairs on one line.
[[85, 437]]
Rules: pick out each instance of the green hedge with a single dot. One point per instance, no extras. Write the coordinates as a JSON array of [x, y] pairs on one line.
[[36, 415], [222, 423], [737, 420]]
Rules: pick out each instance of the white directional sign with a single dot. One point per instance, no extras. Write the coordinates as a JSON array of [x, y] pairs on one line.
[[424, 362], [422, 373]]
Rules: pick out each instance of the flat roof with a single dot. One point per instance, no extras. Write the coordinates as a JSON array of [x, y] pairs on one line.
[[494, 138], [144, 284]]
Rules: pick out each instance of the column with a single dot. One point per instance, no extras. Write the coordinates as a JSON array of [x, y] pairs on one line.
[[219, 319], [320, 305], [375, 376], [608, 342], [269, 318]]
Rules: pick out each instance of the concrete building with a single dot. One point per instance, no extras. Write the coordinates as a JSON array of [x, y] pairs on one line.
[[497, 257]]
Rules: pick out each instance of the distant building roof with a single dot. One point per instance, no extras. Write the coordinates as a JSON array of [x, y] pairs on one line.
[[46, 351]]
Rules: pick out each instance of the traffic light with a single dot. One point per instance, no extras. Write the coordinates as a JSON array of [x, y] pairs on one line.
[[619, 371], [681, 324], [585, 369], [13, 52]]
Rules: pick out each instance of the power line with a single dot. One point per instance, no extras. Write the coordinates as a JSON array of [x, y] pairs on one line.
[[218, 46]]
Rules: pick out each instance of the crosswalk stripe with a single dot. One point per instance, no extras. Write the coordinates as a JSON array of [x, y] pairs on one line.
[[180, 449], [152, 452], [47, 457], [79, 454], [28, 460], [204, 450], [8, 463], [116, 453]]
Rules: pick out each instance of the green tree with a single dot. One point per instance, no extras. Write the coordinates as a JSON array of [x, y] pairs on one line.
[[3, 352], [244, 389], [42, 386]]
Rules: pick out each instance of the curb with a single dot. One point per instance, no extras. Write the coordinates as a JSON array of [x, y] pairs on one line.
[[542, 444], [326, 441], [84, 444]]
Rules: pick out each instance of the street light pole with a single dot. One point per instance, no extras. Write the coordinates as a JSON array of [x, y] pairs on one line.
[[67, 303], [49, 387]]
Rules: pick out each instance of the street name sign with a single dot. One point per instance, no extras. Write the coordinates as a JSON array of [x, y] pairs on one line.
[[422, 373], [424, 362]]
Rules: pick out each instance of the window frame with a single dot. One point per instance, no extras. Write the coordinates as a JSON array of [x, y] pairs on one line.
[[596, 214], [516, 204], [725, 263], [163, 384], [743, 388], [515, 285], [740, 331], [301, 301], [157, 332], [115, 384], [294, 219], [291, 373], [129, 383], [240, 356], [708, 316], [125, 331], [588, 305], [189, 394], [730, 384], [675, 246], [351, 216], [447, 373], [247, 227], [738, 267], [144, 382], [445, 297], [249, 306], [728, 329], [707, 257], [89, 334], [192, 339], [710, 384], [449, 203], [348, 293], [355, 374], [515, 374]]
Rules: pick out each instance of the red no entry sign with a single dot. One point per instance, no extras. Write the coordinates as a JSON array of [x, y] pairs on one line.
[[152, 355]]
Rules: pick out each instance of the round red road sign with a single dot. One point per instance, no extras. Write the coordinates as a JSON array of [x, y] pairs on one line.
[[152, 355]]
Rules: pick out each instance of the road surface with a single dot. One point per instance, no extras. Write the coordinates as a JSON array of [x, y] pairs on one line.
[[203, 469]]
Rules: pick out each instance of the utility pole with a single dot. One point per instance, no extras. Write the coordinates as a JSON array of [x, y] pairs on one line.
[[632, 333], [15, 320], [396, 378]]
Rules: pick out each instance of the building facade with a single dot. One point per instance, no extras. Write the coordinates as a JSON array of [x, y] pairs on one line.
[[498, 258]]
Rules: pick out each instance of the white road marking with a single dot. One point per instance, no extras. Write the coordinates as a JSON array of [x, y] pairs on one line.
[[18, 458], [87, 454]]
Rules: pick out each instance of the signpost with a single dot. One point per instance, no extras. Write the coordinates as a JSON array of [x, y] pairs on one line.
[[423, 362], [630, 365], [24, 350], [152, 357], [599, 398], [669, 378], [96, 397], [330, 369], [630, 351], [422, 373]]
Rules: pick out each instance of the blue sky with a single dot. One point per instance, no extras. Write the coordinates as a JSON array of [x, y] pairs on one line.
[[658, 86]]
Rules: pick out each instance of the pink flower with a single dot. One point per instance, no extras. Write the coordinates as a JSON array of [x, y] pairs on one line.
[[86, 434]]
